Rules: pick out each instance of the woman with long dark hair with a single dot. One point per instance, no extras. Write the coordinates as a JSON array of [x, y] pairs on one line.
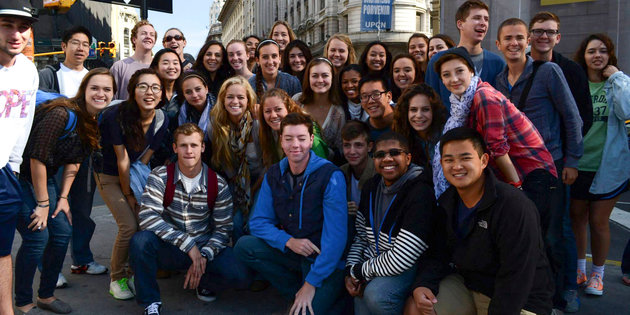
[[168, 67], [349, 78], [602, 171], [439, 42], [375, 59], [405, 73], [131, 132], [295, 58], [212, 62], [420, 115], [65, 132]]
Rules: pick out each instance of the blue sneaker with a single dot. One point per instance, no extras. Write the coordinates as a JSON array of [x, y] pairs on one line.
[[573, 301]]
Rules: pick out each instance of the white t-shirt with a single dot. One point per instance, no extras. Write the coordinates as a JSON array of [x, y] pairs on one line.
[[190, 184], [18, 85], [69, 80]]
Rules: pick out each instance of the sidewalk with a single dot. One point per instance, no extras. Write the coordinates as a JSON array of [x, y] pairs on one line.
[[88, 294]]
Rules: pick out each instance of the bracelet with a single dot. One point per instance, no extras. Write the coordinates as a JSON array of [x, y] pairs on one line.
[[62, 197], [517, 184], [43, 206], [42, 201]]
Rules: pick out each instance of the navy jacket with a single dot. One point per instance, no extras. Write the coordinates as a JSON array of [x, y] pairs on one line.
[[315, 208]]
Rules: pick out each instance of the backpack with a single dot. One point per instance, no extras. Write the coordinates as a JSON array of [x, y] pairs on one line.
[[211, 191], [43, 97]]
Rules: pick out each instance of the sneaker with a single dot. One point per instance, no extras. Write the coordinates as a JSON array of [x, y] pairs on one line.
[[595, 285], [120, 290], [573, 301], [581, 278], [92, 268], [61, 282], [131, 283], [206, 295], [153, 309]]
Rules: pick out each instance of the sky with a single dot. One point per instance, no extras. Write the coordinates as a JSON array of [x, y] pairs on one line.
[[190, 16]]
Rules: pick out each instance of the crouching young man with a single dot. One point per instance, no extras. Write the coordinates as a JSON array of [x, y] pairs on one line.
[[185, 223], [299, 224], [490, 232], [394, 221]]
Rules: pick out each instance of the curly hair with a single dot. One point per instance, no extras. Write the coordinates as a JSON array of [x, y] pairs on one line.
[[221, 124], [129, 112], [134, 31], [579, 54], [268, 141], [87, 124], [401, 111]]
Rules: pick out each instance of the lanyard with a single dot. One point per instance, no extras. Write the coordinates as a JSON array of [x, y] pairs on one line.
[[378, 233]]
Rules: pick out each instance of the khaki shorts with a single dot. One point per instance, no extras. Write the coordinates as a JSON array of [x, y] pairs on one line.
[[454, 298]]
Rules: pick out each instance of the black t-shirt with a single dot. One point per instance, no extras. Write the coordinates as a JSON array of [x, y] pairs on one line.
[[111, 134]]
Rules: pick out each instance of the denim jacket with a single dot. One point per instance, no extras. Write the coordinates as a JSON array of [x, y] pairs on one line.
[[613, 171]]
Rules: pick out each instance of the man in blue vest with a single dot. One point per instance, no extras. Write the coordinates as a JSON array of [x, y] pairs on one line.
[[299, 224]]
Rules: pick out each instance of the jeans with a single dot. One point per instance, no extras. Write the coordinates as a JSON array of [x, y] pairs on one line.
[[148, 253], [48, 246], [81, 197], [570, 247], [385, 295], [286, 271], [625, 260], [548, 194]]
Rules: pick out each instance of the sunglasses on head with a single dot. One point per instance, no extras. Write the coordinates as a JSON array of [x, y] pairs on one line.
[[170, 38], [392, 152]]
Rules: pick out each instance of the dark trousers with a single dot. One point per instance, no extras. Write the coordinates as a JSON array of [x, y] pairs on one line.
[[148, 253], [81, 198], [625, 260], [547, 193], [287, 270]]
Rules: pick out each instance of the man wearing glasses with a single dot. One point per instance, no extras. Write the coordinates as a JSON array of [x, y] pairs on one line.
[[394, 223], [539, 90], [375, 100], [64, 78]]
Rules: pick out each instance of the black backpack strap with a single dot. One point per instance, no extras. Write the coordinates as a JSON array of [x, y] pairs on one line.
[[528, 85]]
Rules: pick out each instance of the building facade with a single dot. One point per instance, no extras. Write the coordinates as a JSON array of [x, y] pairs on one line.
[[216, 27], [123, 20]]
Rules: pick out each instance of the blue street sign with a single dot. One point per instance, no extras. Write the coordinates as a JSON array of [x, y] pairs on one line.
[[376, 15]]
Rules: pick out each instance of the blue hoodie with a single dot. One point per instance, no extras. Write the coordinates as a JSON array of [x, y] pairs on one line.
[[315, 208]]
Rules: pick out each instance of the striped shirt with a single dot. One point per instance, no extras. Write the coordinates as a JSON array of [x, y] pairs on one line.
[[187, 221]]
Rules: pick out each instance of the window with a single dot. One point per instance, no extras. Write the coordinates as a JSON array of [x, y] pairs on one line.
[[322, 35], [344, 28], [305, 7], [322, 4], [126, 41], [419, 18]]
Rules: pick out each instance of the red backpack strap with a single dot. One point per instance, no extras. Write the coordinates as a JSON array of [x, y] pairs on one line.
[[169, 193], [212, 189]]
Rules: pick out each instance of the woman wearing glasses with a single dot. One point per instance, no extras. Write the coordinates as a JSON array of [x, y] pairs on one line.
[[319, 100], [130, 132], [175, 40]]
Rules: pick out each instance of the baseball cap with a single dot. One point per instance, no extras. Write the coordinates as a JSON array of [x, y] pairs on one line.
[[18, 8]]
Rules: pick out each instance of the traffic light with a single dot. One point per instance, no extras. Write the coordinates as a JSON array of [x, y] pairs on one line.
[[112, 49], [102, 47]]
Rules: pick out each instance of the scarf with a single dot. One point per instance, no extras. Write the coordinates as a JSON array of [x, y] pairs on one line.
[[239, 138], [460, 108], [182, 118]]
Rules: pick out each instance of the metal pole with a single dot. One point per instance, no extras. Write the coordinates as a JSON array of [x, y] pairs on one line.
[[144, 12]]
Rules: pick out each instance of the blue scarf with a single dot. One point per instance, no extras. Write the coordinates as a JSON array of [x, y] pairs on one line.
[[205, 115]]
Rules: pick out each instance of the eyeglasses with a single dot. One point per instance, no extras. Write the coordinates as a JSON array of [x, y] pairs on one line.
[[379, 155], [144, 87], [539, 32], [176, 37], [75, 42], [374, 96]]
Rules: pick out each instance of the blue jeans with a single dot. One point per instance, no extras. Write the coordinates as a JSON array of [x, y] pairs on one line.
[[287, 270], [81, 197], [48, 246], [385, 295], [148, 253]]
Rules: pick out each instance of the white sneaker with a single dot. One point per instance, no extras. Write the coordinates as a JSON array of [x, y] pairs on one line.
[[61, 282], [92, 268], [120, 290], [131, 283]]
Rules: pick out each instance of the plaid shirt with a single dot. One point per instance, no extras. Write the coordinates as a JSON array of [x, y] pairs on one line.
[[506, 130], [187, 221]]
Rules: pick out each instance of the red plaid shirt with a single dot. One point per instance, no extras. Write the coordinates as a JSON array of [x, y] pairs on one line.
[[507, 130]]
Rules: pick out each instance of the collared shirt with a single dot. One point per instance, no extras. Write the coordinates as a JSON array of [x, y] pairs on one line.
[[506, 130], [187, 221]]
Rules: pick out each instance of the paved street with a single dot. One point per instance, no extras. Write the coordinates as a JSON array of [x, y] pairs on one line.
[[89, 294]]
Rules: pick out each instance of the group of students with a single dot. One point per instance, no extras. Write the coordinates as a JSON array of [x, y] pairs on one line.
[[383, 178]]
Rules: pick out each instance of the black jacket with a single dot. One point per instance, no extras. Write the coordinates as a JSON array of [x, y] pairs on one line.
[[501, 255], [404, 232], [48, 81]]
